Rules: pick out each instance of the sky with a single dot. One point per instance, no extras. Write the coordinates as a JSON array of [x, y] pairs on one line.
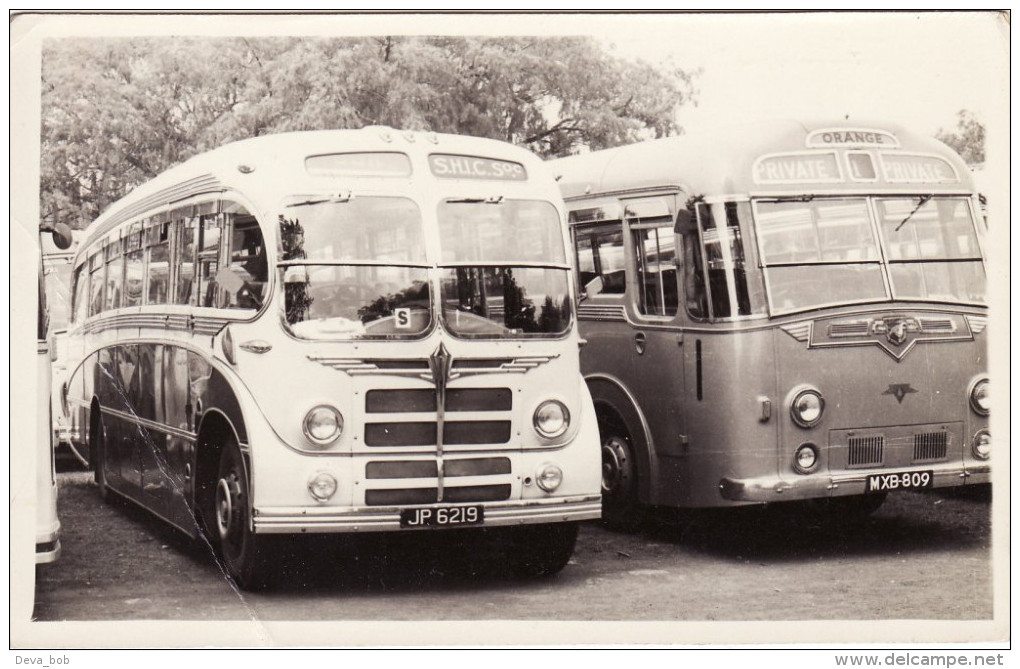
[[915, 69]]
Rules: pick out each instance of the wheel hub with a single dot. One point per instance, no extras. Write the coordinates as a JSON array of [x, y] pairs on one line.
[[615, 466], [228, 505]]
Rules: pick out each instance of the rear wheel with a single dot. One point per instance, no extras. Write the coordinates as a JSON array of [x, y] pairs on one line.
[[242, 551], [97, 451], [619, 476], [535, 551]]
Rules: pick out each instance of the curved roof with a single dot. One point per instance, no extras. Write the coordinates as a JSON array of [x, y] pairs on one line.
[[717, 161], [270, 159]]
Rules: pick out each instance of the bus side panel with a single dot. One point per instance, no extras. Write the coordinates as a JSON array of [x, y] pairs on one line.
[[729, 434], [214, 391], [601, 357]]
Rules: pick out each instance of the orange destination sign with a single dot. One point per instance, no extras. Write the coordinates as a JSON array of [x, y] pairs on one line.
[[846, 137]]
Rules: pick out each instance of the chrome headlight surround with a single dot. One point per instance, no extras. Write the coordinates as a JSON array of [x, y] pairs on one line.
[[979, 396], [549, 477], [981, 444], [322, 486], [806, 458], [322, 425], [807, 407], [551, 419]]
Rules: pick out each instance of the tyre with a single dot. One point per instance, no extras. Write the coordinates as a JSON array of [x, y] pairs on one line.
[[619, 477], [97, 452], [242, 552], [537, 551]]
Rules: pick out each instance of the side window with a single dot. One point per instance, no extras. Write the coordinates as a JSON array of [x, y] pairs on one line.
[[97, 282], [655, 251], [209, 237], [695, 295], [600, 253], [114, 274], [158, 251], [184, 257], [247, 263], [134, 269], [724, 258], [80, 292]]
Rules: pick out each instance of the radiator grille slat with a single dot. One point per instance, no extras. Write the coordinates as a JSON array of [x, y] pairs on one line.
[[865, 450], [930, 446], [410, 496]]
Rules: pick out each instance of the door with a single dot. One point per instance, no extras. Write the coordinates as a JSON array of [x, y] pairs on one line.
[[654, 354]]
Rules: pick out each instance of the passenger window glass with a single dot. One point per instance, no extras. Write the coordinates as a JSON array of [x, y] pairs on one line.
[[728, 285], [600, 253], [97, 281], [185, 247], [80, 305], [114, 276], [159, 264], [134, 277], [208, 258], [244, 287], [655, 249]]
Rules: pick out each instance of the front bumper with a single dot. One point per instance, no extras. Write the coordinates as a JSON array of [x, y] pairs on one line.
[[775, 489], [47, 546], [290, 520]]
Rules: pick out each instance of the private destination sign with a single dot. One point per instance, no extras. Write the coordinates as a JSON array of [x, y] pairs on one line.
[[449, 166], [797, 167]]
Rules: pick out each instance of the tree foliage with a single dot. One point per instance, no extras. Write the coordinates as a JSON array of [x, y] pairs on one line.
[[116, 112], [968, 139]]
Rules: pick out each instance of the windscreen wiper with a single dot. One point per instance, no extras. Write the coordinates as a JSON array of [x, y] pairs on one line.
[[923, 200], [495, 199], [339, 198]]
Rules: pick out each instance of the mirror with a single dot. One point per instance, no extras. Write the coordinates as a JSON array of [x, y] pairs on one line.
[[62, 237], [685, 223]]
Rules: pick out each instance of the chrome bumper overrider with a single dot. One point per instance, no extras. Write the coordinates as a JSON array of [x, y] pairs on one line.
[[290, 520], [774, 489]]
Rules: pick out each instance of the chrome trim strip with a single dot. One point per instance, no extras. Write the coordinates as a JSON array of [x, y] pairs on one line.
[[285, 520], [149, 424]]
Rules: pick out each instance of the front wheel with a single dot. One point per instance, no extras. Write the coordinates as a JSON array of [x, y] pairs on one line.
[[619, 478], [535, 551], [243, 553]]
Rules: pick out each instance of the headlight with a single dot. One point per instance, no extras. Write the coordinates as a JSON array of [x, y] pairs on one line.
[[982, 444], [549, 477], [322, 486], [805, 459], [551, 419], [979, 400], [807, 407], [323, 425]]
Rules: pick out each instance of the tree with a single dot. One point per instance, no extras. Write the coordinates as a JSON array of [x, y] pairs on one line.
[[116, 112], [968, 139]]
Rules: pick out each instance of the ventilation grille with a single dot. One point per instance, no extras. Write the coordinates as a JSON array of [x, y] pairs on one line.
[[865, 451], [930, 446]]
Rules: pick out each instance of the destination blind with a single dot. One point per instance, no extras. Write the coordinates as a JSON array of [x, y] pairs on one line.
[[798, 168]]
